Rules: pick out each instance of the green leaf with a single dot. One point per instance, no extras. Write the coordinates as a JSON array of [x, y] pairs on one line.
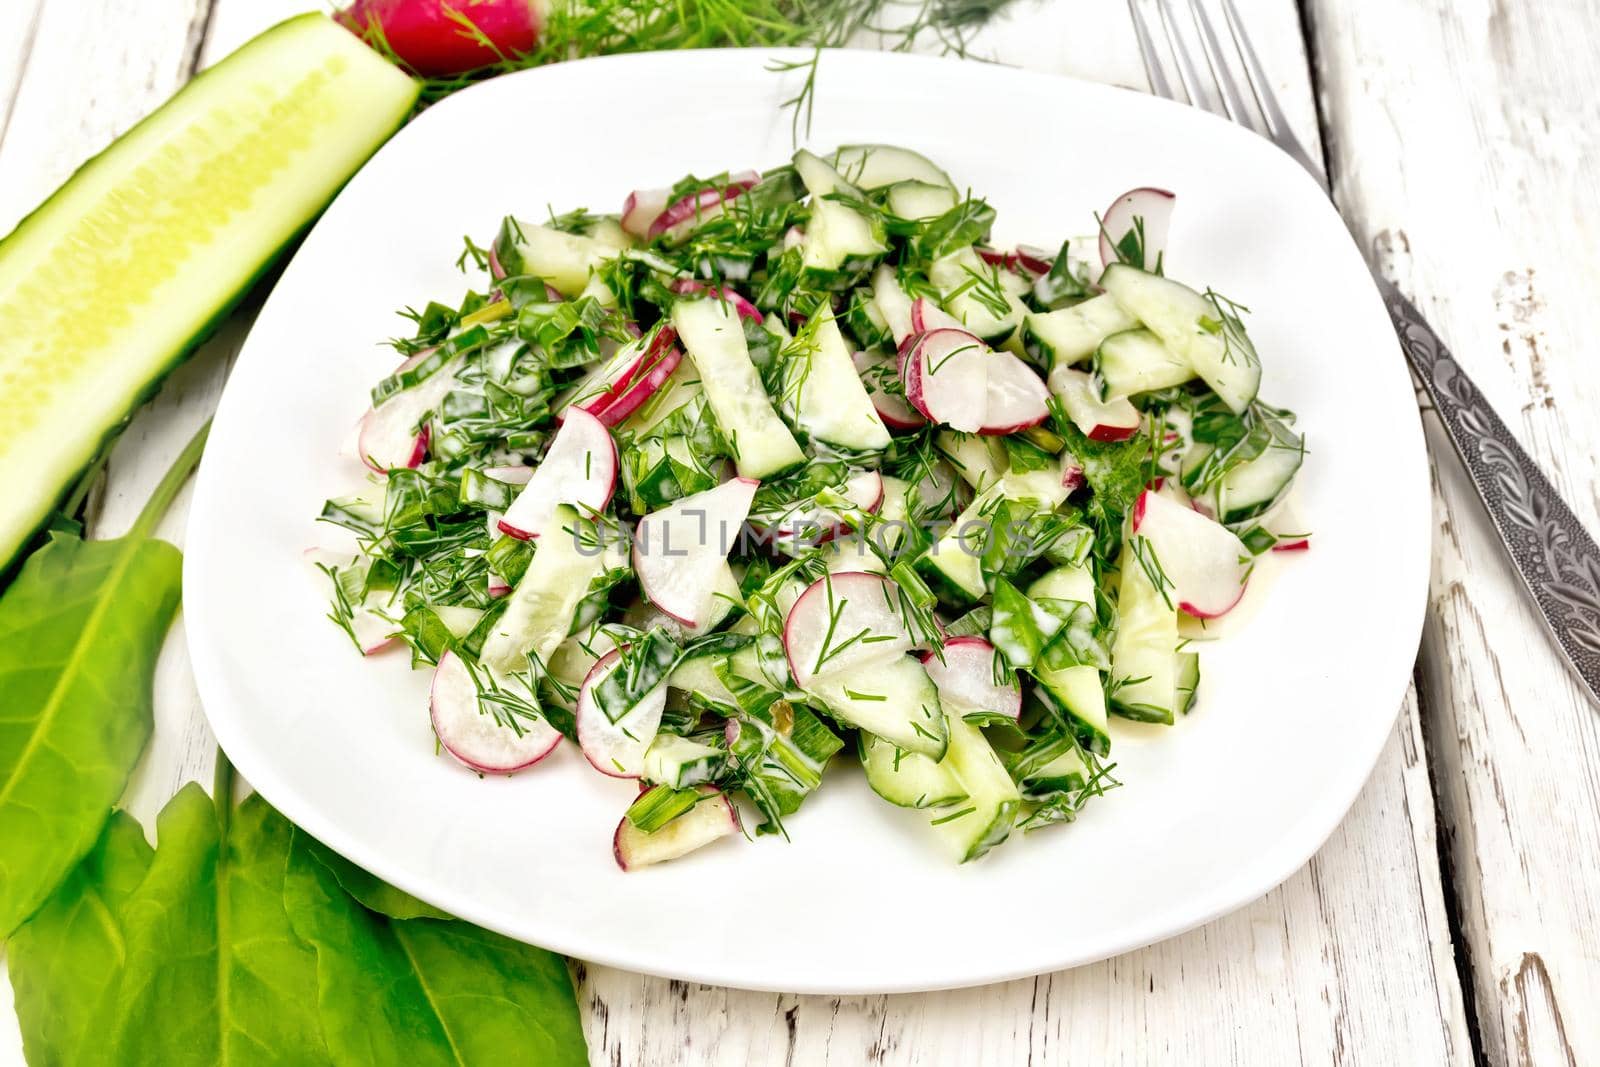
[[372, 892], [80, 629], [182, 956], [422, 991]]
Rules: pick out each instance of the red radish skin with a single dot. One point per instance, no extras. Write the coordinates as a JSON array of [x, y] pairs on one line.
[[1154, 206], [428, 36], [966, 676], [648, 361], [697, 205], [473, 738], [496, 271], [1035, 260], [642, 390], [743, 307], [1072, 477], [641, 210], [1292, 546]]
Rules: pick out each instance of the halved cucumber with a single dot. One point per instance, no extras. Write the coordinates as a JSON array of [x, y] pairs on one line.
[[914, 201], [824, 393], [129, 265], [714, 338], [872, 166], [974, 292], [974, 826], [1135, 361], [1062, 338], [908, 779], [1144, 662], [819, 175], [1197, 328], [1080, 694], [566, 260], [840, 239], [894, 699]]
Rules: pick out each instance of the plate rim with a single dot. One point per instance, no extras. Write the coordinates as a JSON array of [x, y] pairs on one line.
[[1219, 898]]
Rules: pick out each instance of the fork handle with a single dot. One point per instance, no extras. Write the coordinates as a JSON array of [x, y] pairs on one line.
[[1557, 559]]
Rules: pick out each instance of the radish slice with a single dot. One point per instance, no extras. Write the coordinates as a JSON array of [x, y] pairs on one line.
[[699, 206], [496, 271], [642, 208], [1153, 207], [712, 818], [745, 309], [926, 316], [471, 734], [1207, 564], [842, 621], [1035, 260], [806, 518], [580, 468], [1099, 421], [391, 436], [679, 551], [1072, 475], [1016, 399], [604, 385], [947, 379], [895, 412], [965, 679], [617, 748], [1292, 546], [646, 387]]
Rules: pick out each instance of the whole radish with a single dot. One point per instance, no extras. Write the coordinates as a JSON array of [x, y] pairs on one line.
[[442, 37]]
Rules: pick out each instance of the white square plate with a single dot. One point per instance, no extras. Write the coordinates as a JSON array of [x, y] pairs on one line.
[[1215, 811]]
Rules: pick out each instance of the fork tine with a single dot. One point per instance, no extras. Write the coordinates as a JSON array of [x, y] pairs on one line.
[[1256, 75], [1188, 72], [1147, 54], [1277, 122], [1233, 101]]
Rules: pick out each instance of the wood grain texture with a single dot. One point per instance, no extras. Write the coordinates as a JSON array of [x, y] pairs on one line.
[[1470, 175], [1349, 961]]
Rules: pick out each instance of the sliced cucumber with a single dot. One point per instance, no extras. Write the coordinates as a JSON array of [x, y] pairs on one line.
[[974, 826], [540, 610], [825, 393], [978, 459], [908, 779], [893, 305], [1064, 774], [872, 166], [714, 338], [840, 239], [1252, 488], [565, 260], [819, 176], [681, 762], [115, 278], [1135, 361], [1144, 662], [894, 699], [1195, 327], [1062, 338], [974, 292], [916, 201], [1188, 680], [1079, 693], [1072, 582]]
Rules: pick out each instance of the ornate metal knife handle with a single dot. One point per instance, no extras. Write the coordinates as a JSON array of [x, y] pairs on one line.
[[1557, 559]]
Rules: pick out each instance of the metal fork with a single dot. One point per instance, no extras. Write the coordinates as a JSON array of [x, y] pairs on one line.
[[1556, 558]]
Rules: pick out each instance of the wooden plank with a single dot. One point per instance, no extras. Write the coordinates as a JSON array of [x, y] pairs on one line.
[[1348, 959], [1466, 157]]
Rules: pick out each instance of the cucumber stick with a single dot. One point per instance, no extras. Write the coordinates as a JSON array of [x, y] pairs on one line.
[[129, 265]]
